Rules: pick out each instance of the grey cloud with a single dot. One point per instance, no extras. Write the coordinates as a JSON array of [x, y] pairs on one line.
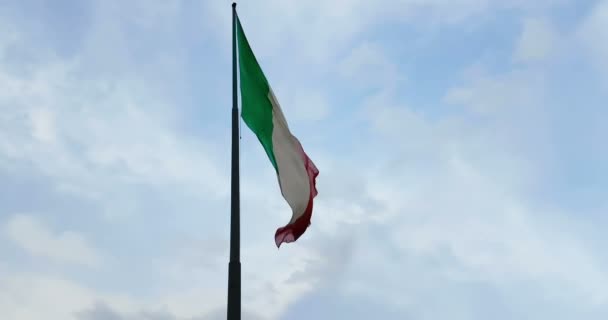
[[221, 315], [331, 304], [334, 253], [102, 311], [414, 287], [99, 312]]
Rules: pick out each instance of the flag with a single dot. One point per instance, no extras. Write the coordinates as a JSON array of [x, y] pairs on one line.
[[262, 113]]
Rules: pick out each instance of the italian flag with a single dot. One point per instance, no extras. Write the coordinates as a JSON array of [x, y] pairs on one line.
[[262, 113]]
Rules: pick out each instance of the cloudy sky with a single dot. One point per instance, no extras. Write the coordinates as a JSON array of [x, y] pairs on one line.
[[460, 143]]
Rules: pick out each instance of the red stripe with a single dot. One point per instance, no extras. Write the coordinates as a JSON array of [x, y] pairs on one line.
[[293, 231]]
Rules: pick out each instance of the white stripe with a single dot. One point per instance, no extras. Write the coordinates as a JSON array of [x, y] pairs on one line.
[[293, 177]]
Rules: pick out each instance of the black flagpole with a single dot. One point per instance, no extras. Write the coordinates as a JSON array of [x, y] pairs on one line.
[[234, 266]]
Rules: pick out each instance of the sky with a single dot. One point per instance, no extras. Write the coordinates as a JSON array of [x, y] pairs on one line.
[[462, 167]]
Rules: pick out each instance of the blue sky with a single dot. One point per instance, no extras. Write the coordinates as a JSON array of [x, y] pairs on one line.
[[460, 145]]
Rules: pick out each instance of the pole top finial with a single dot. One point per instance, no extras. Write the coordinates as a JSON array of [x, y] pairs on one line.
[[234, 4]]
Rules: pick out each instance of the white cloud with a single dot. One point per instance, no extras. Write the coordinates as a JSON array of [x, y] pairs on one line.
[[43, 124], [34, 296], [304, 104], [494, 236], [31, 296], [457, 197], [593, 35], [537, 40], [390, 117], [492, 94], [92, 136], [318, 31], [368, 66], [38, 240], [10, 36], [454, 223], [267, 289]]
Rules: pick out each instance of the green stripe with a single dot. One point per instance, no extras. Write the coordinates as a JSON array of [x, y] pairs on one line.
[[256, 106]]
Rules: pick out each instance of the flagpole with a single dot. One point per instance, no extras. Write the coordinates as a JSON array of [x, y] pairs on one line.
[[234, 266]]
